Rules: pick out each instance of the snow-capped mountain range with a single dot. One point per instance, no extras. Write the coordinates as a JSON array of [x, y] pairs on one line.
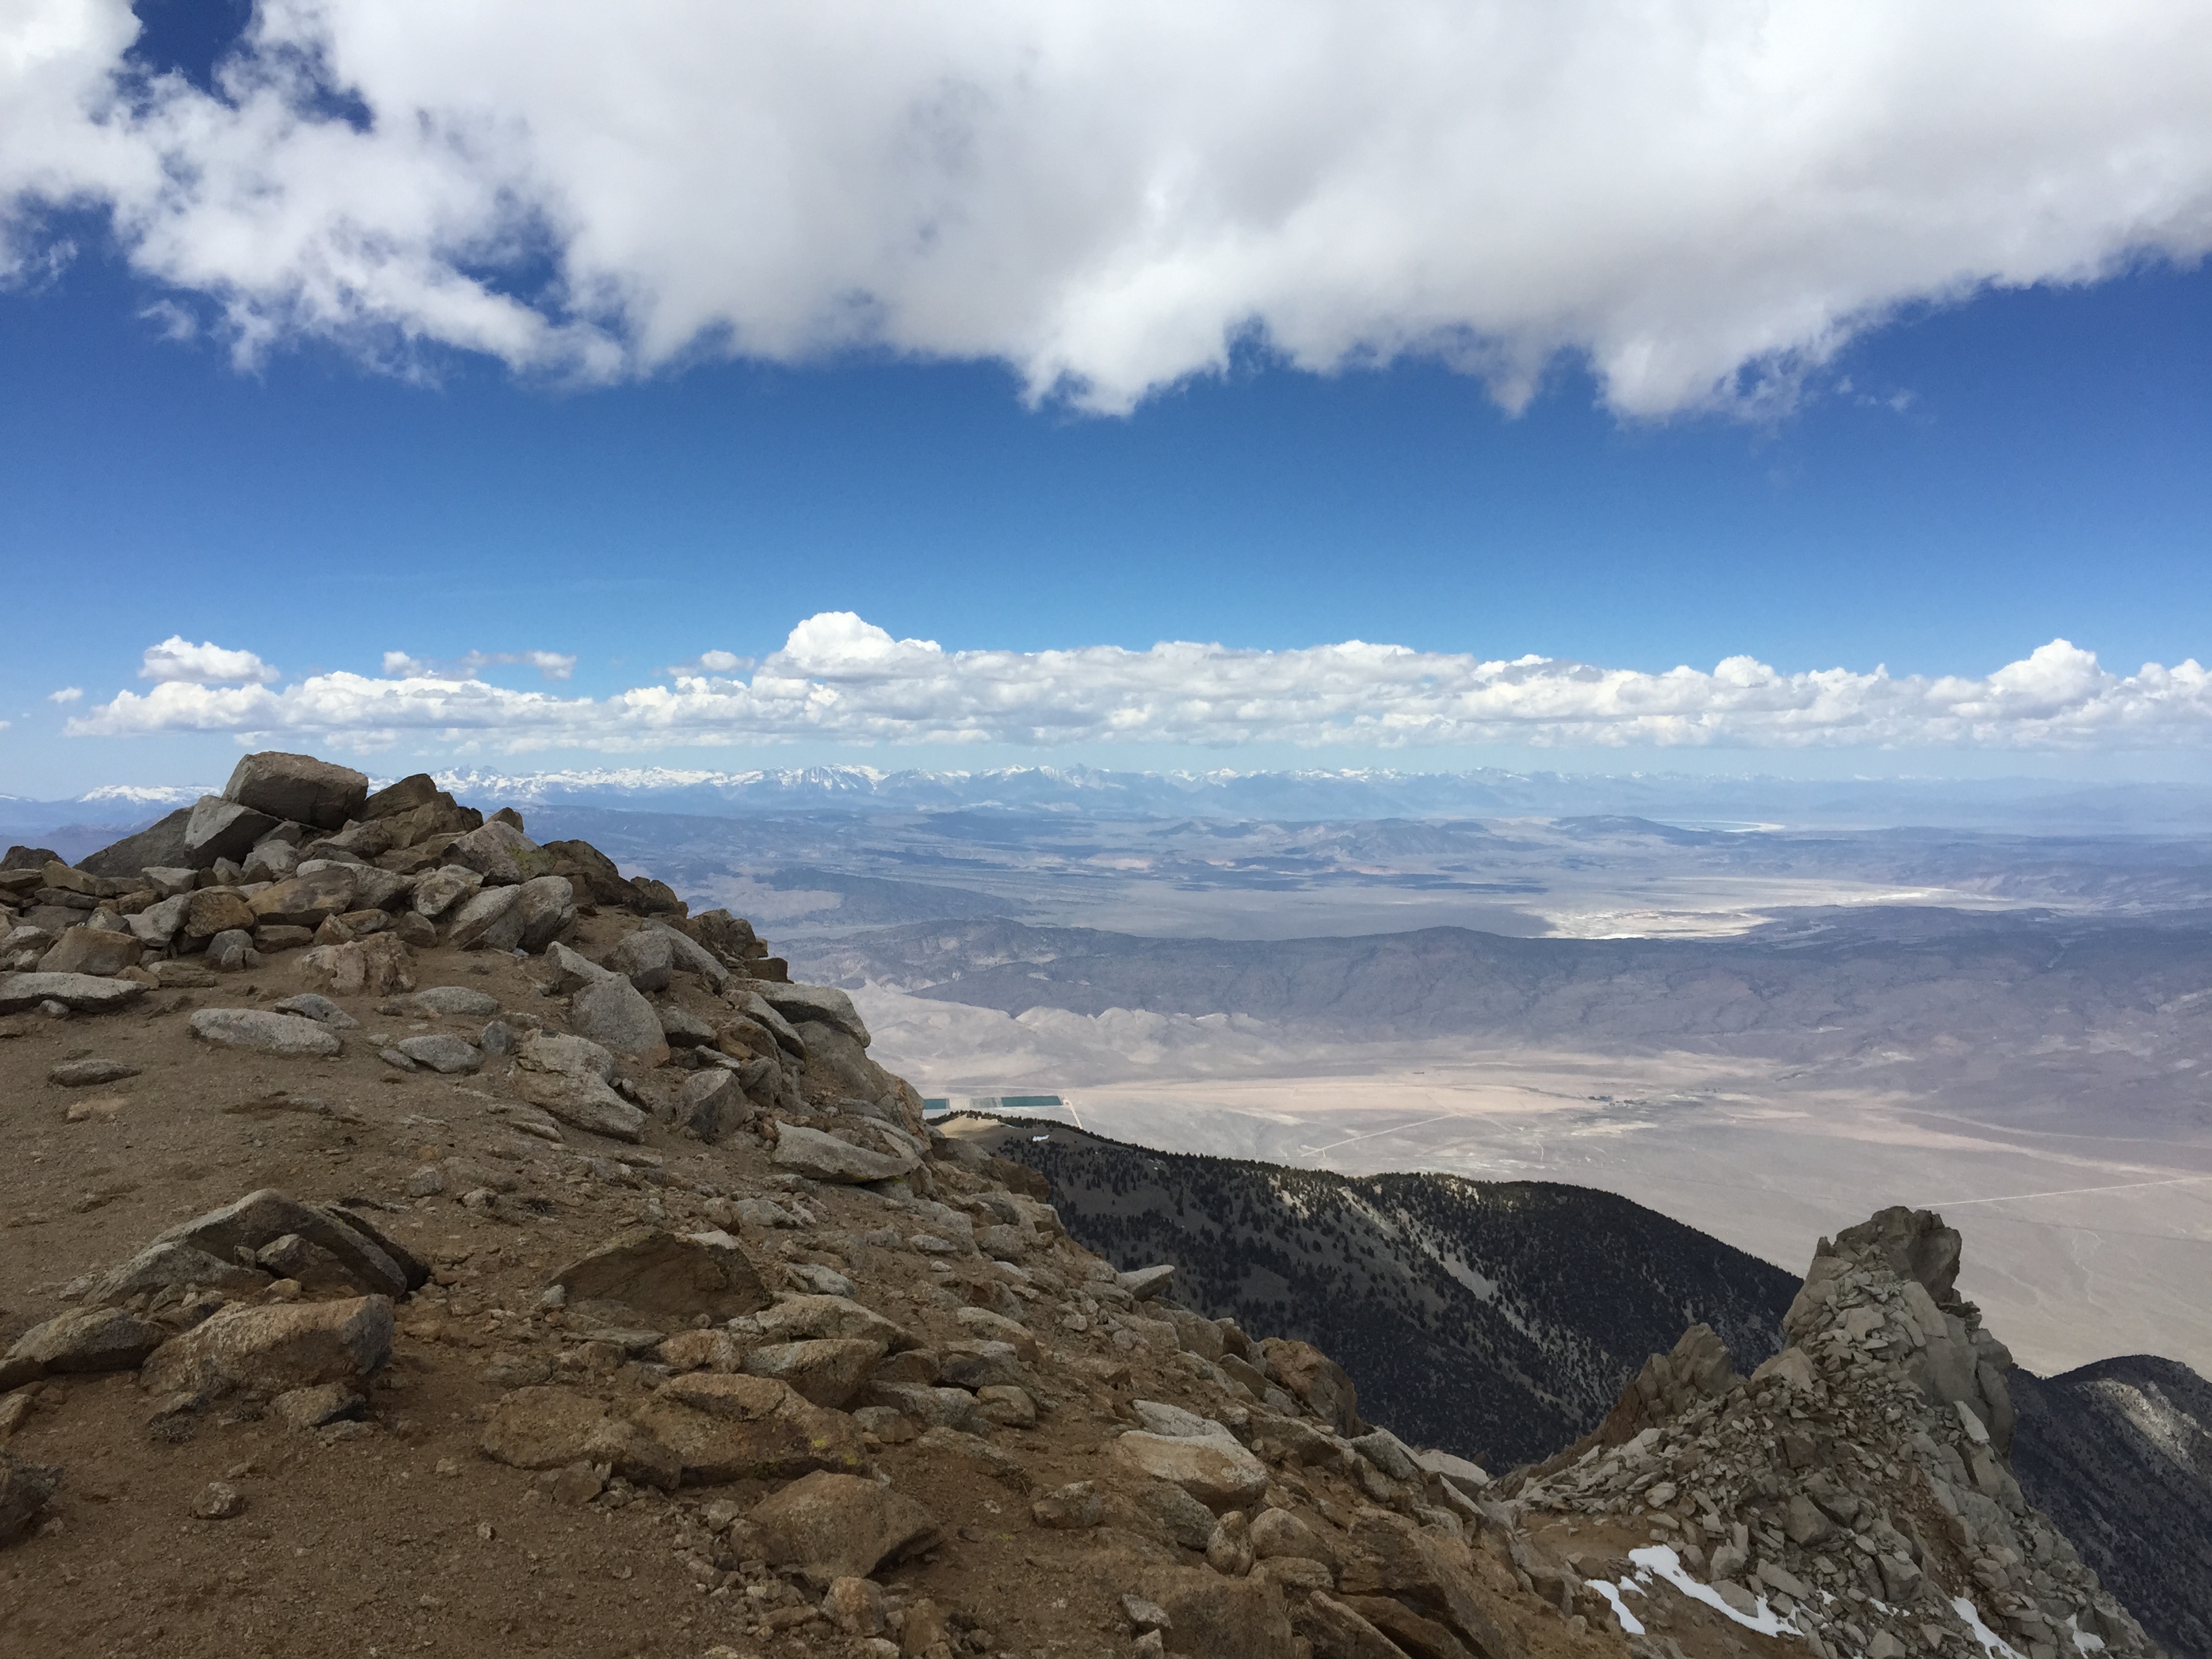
[[2029, 804]]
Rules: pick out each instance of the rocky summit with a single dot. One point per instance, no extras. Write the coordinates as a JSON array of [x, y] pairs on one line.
[[423, 1239], [1855, 1493]]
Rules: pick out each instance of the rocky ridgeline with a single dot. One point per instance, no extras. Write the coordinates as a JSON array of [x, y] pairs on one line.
[[854, 1369], [636, 1237], [1856, 1492], [296, 853]]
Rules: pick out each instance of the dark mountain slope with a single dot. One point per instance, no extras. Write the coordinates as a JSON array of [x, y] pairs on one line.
[[1497, 1319], [2119, 1454], [1503, 1318]]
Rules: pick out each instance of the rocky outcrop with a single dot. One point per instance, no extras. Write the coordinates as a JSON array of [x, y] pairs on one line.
[[1856, 1491]]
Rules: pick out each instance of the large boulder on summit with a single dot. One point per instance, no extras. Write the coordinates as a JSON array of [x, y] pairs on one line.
[[548, 911], [1316, 1380], [213, 910], [81, 993], [662, 1276], [259, 1219], [824, 1004], [822, 1157], [730, 937], [266, 1032], [414, 809], [377, 966], [647, 958], [833, 1049], [365, 842], [164, 1267], [439, 890], [502, 854], [653, 955], [298, 788], [313, 893], [220, 828], [1700, 1368], [417, 789], [157, 924], [272, 1349], [81, 1340], [725, 1427], [787, 1034], [91, 950], [525, 916], [711, 1103], [690, 955], [551, 1428], [490, 920], [1222, 1618], [614, 1013], [158, 844], [838, 1526], [597, 879], [1212, 1468], [566, 1077]]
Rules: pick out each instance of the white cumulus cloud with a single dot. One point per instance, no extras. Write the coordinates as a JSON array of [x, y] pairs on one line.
[[550, 665], [178, 659], [1702, 197], [67, 693], [840, 679]]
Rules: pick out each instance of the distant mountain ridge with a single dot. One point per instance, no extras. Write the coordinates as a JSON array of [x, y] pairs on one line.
[[2010, 804], [1374, 793], [1910, 977]]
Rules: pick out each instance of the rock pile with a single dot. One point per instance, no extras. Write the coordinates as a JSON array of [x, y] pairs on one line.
[[1853, 1493], [297, 853]]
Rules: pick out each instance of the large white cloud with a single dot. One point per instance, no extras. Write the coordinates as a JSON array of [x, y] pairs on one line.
[[840, 679], [1702, 195], [205, 663]]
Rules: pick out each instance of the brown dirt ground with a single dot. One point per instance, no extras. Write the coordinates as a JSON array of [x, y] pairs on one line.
[[396, 1536]]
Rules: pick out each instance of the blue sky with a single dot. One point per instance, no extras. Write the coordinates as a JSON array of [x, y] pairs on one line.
[[1945, 491]]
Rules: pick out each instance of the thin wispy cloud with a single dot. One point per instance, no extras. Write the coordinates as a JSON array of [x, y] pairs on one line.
[[550, 665], [842, 679], [1702, 198]]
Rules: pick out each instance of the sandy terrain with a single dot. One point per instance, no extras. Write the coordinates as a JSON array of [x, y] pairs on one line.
[[2084, 1247]]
